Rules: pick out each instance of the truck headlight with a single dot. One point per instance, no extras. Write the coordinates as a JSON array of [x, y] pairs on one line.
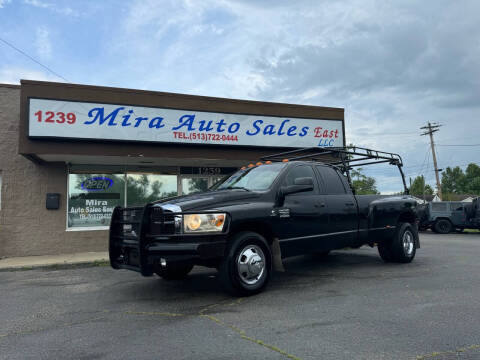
[[203, 222]]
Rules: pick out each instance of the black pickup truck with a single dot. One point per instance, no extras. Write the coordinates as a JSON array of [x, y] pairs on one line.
[[261, 214]]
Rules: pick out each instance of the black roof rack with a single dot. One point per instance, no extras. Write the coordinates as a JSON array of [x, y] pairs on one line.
[[345, 158]]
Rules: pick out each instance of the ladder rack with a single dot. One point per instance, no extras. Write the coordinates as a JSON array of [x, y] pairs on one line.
[[345, 158]]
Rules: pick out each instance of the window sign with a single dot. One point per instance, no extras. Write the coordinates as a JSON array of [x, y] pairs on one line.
[[92, 198]]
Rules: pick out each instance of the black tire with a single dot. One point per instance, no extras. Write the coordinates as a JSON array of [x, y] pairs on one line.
[[174, 271], [401, 247], [385, 251], [443, 226], [250, 251]]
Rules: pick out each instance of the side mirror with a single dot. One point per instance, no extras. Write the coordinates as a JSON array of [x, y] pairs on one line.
[[300, 185]]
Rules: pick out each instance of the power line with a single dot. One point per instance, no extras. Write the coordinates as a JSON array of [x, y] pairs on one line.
[[460, 145], [33, 59], [386, 134], [432, 170], [425, 159], [463, 138]]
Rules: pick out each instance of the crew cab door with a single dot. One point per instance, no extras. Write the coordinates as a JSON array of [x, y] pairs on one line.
[[299, 221], [341, 206]]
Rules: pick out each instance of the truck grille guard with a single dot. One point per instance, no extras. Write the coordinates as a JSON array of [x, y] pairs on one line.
[[127, 239], [130, 230], [133, 229]]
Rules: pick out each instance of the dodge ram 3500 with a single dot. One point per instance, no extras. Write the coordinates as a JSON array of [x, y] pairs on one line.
[[290, 204]]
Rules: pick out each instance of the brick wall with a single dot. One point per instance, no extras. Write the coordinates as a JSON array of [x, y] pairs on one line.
[[26, 227]]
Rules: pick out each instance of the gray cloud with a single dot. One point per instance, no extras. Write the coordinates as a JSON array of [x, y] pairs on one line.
[[424, 53]]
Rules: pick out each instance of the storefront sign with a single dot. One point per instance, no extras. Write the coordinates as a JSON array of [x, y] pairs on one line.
[[81, 120], [97, 184]]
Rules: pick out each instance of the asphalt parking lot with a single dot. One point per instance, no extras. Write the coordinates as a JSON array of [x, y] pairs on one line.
[[349, 306]]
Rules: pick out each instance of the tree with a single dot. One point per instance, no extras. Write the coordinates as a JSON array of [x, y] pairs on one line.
[[419, 188], [194, 185], [144, 189], [363, 185], [453, 181], [472, 179]]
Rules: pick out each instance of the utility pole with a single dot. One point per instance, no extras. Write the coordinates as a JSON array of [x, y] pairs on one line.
[[429, 130]]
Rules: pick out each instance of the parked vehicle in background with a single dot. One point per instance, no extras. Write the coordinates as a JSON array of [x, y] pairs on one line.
[[447, 216], [290, 204]]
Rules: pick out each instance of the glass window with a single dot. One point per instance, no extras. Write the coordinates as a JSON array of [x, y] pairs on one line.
[[346, 185], [299, 172], [217, 180], [92, 197], [439, 206], [255, 178], [456, 206], [145, 188], [331, 181], [194, 184]]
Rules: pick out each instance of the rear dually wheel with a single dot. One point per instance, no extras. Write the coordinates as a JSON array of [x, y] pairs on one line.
[[401, 247]]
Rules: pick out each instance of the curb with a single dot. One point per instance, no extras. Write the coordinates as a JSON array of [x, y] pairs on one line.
[[57, 266]]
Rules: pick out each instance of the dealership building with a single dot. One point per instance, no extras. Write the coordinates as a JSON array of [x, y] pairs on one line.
[[70, 153]]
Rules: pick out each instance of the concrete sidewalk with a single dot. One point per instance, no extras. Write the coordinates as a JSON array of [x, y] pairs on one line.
[[28, 262]]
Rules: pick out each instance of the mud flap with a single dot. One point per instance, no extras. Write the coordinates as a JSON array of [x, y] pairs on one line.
[[277, 256], [417, 237]]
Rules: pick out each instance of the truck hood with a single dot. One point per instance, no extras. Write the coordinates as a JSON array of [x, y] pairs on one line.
[[209, 200]]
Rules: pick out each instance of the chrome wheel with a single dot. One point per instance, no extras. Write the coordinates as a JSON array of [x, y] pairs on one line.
[[251, 264], [408, 242]]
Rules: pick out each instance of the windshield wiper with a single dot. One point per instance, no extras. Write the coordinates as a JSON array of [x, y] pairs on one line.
[[237, 187]]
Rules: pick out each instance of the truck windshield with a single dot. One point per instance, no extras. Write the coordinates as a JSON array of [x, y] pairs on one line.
[[255, 178]]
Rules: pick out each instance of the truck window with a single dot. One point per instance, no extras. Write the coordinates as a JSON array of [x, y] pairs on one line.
[[331, 180], [346, 185], [439, 206], [255, 178], [299, 172], [456, 206]]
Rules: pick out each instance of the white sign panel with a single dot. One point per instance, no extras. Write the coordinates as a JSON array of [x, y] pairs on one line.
[[82, 120]]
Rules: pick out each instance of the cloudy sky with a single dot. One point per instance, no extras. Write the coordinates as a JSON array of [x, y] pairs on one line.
[[393, 65]]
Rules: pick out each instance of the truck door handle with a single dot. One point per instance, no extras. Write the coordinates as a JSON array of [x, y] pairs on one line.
[[349, 204], [321, 204]]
